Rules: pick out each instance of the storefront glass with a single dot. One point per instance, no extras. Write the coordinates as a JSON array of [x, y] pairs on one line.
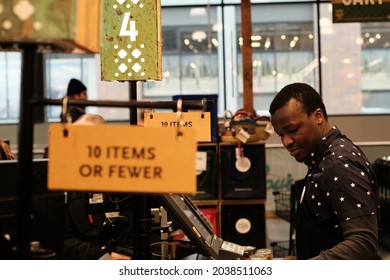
[[201, 54]]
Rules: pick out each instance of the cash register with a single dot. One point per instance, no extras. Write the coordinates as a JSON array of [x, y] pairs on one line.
[[198, 229]]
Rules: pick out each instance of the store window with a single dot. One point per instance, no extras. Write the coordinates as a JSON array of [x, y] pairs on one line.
[[192, 52], [59, 69], [375, 67], [202, 55], [10, 73], [283, 50], [355, 78]]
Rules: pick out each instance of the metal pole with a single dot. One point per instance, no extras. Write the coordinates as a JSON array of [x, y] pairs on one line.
[[141, 210], [25, 145]]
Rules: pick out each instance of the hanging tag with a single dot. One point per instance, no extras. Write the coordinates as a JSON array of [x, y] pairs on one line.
[[239, 152], [121, 158], [201, 162], [243, 164], [197, 121], [269, 129], [242, 135]]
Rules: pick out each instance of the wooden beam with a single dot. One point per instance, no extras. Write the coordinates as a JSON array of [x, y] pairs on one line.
[[246, 30]]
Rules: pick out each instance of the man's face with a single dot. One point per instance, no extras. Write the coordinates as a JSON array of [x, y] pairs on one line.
[[300, 133]]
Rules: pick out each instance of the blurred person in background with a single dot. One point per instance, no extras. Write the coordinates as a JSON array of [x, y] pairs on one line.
[[88, 218], [78, 91]]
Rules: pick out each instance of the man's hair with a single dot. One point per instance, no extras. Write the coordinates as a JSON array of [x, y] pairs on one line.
[[90, 119], [303, 93]]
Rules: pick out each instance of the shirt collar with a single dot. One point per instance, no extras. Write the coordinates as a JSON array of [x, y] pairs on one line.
[[322, 146]]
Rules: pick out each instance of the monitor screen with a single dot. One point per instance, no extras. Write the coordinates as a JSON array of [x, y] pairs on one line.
[[193, 223], [47, 210]]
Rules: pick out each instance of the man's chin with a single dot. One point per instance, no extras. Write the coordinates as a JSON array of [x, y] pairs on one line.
[[299, 159]]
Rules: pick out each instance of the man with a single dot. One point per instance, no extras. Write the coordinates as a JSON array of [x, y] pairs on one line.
[[337, 209], [78, 91]]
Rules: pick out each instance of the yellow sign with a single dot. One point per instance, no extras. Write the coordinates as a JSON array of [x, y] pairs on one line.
[[360, 10], [198, 121], [131, 40], [121, 158]]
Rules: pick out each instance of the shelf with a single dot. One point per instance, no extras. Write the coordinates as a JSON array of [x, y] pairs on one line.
[[201, 202], [240, 195], [242, 201]]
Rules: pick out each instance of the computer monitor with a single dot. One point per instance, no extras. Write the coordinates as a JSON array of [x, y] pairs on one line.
[[193, 223], [47, 211]]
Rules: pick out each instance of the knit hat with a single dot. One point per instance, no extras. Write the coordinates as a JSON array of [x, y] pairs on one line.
[[75, 87]]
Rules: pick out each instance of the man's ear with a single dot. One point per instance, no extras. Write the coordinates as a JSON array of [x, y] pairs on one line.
[[319, 116]]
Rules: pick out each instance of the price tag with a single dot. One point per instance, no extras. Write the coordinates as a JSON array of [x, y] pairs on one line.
[[242, 135], [201, 162]]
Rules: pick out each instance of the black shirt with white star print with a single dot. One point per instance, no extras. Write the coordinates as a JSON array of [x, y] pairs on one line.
[[339, 187]]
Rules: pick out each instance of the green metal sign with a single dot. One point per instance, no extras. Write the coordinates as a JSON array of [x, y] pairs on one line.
[[71, 24], [37, 20], [131, 40], [361, 10]]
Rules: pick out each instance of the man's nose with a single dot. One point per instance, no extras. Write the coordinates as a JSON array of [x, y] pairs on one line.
[[287, 141]]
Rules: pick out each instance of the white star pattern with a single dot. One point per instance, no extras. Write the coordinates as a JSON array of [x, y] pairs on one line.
[[341, 155]]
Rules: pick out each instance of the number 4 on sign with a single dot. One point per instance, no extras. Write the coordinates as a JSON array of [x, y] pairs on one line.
[[132, 32]]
